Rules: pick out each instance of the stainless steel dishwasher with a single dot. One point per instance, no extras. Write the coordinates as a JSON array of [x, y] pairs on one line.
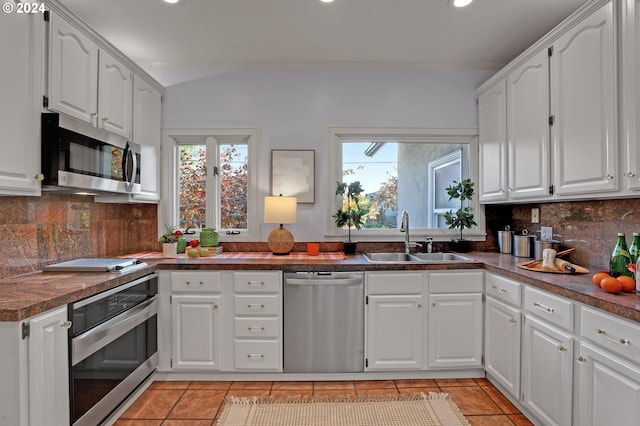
[[323, 322]]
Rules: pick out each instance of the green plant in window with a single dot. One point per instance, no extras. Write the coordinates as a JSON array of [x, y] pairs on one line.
[[171, 235], [353, 213], [463, 217]]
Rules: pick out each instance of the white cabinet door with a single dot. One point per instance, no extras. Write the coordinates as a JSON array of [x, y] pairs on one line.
[[73, 72], [394, 332], [455, 330], [492, 144], [114, 96], [630, 92], [583, 103], [528, 129], [503, 326], [547, 372], [196, 332], [49, 369], [147, 117], [22, 41], [608, 390]]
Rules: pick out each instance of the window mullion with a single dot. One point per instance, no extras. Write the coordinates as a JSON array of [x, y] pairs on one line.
[[213, 191]]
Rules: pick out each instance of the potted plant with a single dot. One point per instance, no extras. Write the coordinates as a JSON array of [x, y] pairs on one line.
[[463, 217], [352, 213], [169, 241]]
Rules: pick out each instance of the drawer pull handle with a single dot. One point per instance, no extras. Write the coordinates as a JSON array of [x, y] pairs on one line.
[[542, 307], [256, 329], [612, 339], [581, 359], [501, 290], [255, 356], [255, 282], [254, 305]]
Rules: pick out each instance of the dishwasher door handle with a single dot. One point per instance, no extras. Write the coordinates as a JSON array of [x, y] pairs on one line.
[[328, 281]]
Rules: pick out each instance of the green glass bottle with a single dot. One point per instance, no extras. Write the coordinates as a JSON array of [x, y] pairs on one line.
[[634, 247], [620, 258]]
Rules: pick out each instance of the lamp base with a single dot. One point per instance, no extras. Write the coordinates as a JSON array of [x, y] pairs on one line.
[[280, 241]]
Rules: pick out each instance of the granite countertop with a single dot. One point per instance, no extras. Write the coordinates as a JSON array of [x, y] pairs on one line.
[[27, 295]]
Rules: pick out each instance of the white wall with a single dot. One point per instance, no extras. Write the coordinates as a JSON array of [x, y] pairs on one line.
[[294, 106]]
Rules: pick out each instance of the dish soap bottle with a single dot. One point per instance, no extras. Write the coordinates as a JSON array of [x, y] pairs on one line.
[[620, 258]]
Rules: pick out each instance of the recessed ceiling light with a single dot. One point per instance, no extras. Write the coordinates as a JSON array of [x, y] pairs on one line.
[[326, 1], [171, 1], [460, 3]]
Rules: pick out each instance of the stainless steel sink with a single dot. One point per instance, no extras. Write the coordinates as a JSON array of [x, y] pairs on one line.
[[415, 257], [389, 257], [439, 257]]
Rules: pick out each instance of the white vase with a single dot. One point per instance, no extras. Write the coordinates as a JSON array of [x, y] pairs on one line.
[[169, 249]]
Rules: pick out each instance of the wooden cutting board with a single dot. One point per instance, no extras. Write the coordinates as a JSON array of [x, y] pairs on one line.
[[536, 265]]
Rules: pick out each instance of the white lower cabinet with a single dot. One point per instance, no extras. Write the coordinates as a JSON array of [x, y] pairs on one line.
[[35, 370], [196, 320], [455, 319], [503, 327], [394, 321]]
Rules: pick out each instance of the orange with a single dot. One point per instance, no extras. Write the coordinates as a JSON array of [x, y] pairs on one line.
[[611, 285], [598, 277], [628, 283]]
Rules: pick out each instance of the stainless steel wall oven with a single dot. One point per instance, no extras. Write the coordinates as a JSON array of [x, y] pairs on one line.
[[112, 347]]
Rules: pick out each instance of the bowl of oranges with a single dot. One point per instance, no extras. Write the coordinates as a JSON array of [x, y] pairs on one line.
[[614, 284]]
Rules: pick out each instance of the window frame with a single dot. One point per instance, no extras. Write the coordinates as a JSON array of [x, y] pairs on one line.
[[168, 211], [336, 136]]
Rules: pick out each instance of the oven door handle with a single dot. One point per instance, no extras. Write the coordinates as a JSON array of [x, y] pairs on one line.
[[100, 336]]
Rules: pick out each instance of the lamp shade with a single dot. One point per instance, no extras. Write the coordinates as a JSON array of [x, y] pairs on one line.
[[280, 209]]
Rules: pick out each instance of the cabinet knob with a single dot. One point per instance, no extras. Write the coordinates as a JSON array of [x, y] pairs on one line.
[[608, 177], [581, 359], [39, 177], [512, 321], [66, 324], [630, 174], [105, 119], [93, 114], [562, 349]]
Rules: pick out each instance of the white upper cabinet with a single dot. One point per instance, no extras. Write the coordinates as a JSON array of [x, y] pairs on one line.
[[73, 72], [147, 116], [630, 93], [114, 96], [528, 129], [86, 82], [22, 43], [492, 143], [583, 104]]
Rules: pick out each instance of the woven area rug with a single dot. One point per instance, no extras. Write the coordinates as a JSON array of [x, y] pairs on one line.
[[402, 410]]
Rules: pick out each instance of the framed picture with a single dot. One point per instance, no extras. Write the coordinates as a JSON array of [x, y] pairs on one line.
[[293, 173]]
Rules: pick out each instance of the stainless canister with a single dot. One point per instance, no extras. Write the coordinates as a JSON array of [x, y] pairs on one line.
[[522, 244], [540, 245], [505, 239]]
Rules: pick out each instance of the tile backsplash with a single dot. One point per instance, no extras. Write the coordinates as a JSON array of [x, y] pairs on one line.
[[588, 226], [36, 231]]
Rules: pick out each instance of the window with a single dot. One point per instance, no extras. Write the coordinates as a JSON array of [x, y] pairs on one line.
[[213, 183], [405, 169]]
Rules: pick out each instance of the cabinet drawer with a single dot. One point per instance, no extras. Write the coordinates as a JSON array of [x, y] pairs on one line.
[[257, 305], [256, 282], [196, 281], [504, 289], [251, 355], [258, 327], [455, 282], [394, 283], [550, 308], [611, 333]]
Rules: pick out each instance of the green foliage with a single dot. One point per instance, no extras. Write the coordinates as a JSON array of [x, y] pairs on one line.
[[354, 207], [463, 217], [169, 235]]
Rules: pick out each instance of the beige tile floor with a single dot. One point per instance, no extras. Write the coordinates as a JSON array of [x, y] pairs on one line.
[[197, 403]]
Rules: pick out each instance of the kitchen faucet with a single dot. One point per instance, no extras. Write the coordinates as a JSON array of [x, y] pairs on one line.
[[404, 227]]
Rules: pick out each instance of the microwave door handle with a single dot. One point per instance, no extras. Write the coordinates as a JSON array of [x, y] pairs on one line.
[[128, 172]]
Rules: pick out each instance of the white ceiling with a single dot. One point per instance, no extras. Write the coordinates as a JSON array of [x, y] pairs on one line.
[[195, 38]]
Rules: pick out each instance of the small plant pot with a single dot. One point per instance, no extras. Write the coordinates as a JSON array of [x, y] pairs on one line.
[[169, 250], [460, 246], [350, 247]]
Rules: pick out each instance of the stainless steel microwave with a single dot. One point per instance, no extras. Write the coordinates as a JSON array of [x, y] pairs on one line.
[[82, 159]]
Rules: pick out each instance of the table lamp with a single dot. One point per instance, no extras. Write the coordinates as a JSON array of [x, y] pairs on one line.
[[280, 210]]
